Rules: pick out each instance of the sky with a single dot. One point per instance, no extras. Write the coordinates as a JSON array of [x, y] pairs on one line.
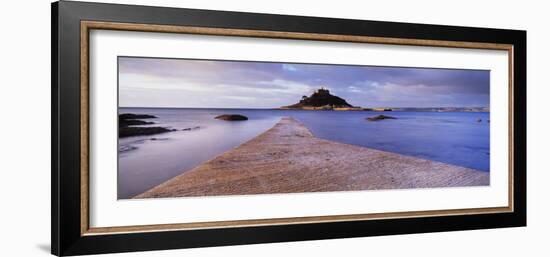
[[157, 82]]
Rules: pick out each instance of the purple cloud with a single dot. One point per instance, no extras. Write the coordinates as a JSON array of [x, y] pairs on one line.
[[162, 82]]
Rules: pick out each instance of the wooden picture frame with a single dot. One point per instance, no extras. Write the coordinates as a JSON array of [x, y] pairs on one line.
[[71, 25]]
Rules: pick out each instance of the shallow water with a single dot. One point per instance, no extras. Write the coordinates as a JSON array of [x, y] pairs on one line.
[[146, 161]]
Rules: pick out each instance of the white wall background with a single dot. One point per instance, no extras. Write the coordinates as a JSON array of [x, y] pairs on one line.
[[25, 127]]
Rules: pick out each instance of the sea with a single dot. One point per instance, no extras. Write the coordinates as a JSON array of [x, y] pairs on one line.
[[458, 138]]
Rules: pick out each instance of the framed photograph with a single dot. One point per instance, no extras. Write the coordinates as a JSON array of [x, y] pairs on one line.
[[178, 128]]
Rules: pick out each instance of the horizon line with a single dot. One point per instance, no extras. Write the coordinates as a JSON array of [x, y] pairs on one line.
[[275, 108]]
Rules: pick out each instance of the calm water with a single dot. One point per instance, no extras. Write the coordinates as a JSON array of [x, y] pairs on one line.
[[146, 161]]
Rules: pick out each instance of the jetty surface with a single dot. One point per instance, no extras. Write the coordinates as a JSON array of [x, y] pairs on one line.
[[288, 158]]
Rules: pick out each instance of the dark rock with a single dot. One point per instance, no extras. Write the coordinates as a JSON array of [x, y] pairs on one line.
[[380, 117], [160, 139], [132, 116], [141, 131], [125, 123], [126, 148], [231, 117], [189, 129], [128, 125], [479, 120]]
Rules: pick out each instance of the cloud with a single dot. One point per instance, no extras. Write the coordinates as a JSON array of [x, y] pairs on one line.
[[205, 83], [384, 94], [354, 89]]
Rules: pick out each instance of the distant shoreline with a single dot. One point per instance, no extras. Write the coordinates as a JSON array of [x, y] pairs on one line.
[[288, 158]]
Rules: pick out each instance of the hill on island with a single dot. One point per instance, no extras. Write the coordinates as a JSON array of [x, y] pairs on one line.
[[321, 99]]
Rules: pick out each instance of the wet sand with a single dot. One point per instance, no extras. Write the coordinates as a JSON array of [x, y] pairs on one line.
[[288, 158]]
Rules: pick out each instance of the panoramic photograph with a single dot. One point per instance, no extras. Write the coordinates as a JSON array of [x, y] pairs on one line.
[[191, 127]]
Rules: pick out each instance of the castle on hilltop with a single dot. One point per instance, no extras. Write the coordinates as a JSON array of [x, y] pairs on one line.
[[323, 91]]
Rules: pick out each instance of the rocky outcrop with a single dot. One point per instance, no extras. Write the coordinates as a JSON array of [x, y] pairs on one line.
[[192, 128], [131, 119], [320, 100], [126, 123], [381, 117], [129, 125], [231, 117], [132, 116], [141, 131]]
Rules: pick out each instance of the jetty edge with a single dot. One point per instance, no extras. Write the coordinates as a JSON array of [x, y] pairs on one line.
[[288, 158]]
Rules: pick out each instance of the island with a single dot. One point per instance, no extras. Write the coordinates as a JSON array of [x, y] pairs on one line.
[[321, 99]]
